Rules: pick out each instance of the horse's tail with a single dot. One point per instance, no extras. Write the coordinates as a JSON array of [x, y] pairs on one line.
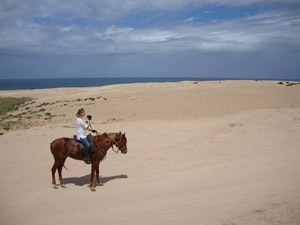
[[65, 167]]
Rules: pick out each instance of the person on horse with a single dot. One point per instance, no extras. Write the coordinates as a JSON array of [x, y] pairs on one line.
[[81, 126]]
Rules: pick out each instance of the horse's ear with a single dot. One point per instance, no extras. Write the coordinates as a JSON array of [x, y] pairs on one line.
[[124, 134]]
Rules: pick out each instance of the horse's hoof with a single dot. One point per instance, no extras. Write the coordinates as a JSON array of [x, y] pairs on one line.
[[93, 188], [63, 185], [100, 184], [55, 186]]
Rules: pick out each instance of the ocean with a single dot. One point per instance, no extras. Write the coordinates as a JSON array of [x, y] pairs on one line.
[[18, 84]]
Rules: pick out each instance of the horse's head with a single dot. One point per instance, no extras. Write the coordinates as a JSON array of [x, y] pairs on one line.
[[107, 140], [121, 142]]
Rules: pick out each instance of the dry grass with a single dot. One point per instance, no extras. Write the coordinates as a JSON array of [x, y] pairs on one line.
[[11, 104]]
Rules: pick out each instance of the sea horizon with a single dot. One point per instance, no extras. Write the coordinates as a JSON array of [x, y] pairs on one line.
[[45, 83]]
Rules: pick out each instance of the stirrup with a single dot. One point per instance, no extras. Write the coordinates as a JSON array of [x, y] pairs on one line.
[[87, 160]]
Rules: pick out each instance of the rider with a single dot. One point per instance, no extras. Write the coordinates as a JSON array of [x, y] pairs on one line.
[[81, 126]]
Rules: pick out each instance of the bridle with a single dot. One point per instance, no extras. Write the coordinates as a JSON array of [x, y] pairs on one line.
[[114, 142]]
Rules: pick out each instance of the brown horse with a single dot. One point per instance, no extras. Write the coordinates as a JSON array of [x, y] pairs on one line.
[[102, 142]]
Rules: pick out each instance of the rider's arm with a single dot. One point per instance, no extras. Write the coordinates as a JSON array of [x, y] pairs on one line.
[[89, 127]]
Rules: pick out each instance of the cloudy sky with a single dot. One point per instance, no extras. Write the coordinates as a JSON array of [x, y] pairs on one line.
[[136, 38]]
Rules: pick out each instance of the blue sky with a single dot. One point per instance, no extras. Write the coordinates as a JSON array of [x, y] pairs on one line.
[[257, 39]]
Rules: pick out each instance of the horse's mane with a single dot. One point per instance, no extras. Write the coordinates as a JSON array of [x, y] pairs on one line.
[[111, 135], [102, 136]]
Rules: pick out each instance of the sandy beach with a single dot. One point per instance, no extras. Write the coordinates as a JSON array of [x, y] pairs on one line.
[[212, 152]]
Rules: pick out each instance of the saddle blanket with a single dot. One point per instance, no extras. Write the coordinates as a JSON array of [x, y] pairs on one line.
[[74, 147]]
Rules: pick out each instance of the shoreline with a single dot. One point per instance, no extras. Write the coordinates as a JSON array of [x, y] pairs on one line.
[[147, 81]]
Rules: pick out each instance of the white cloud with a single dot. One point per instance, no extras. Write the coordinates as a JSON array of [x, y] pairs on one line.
[[117, 34], [231, 36], [154, 36], [254, 33], [191, 19], [65, 29]]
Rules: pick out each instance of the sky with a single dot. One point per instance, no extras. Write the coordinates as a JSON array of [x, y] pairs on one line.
[[246, 39]]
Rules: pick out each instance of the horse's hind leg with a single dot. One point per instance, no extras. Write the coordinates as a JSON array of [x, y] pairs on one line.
[[60, 172]]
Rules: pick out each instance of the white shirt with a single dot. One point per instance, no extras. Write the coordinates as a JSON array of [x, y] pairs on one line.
[[81, 126]]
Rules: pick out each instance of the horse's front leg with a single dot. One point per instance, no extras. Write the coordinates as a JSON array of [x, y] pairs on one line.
[[93, 170], [97, 175]]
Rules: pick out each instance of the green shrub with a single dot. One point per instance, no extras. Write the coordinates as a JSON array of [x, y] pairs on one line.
[[5, 126], [43, 104]]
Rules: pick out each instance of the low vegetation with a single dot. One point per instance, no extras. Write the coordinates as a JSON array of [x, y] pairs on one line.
[[91, 99], [289, 83], [11, 104]]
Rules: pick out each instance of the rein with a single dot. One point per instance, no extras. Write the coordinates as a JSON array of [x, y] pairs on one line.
[[97, 145], [114, 142]]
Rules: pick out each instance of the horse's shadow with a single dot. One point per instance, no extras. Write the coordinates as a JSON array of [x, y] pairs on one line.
[[80, 181]]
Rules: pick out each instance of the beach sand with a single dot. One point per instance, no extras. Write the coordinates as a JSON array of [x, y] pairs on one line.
[[213, 152]]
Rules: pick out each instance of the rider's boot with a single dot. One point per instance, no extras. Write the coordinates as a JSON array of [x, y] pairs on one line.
[[86, 157]]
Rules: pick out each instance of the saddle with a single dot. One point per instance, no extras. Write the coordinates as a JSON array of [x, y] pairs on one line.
[[75, 147]]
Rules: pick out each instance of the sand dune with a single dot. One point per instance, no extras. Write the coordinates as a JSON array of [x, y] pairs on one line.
[[221, 152]]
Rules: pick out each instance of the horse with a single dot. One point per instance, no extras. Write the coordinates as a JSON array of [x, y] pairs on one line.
[[103, 142]]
